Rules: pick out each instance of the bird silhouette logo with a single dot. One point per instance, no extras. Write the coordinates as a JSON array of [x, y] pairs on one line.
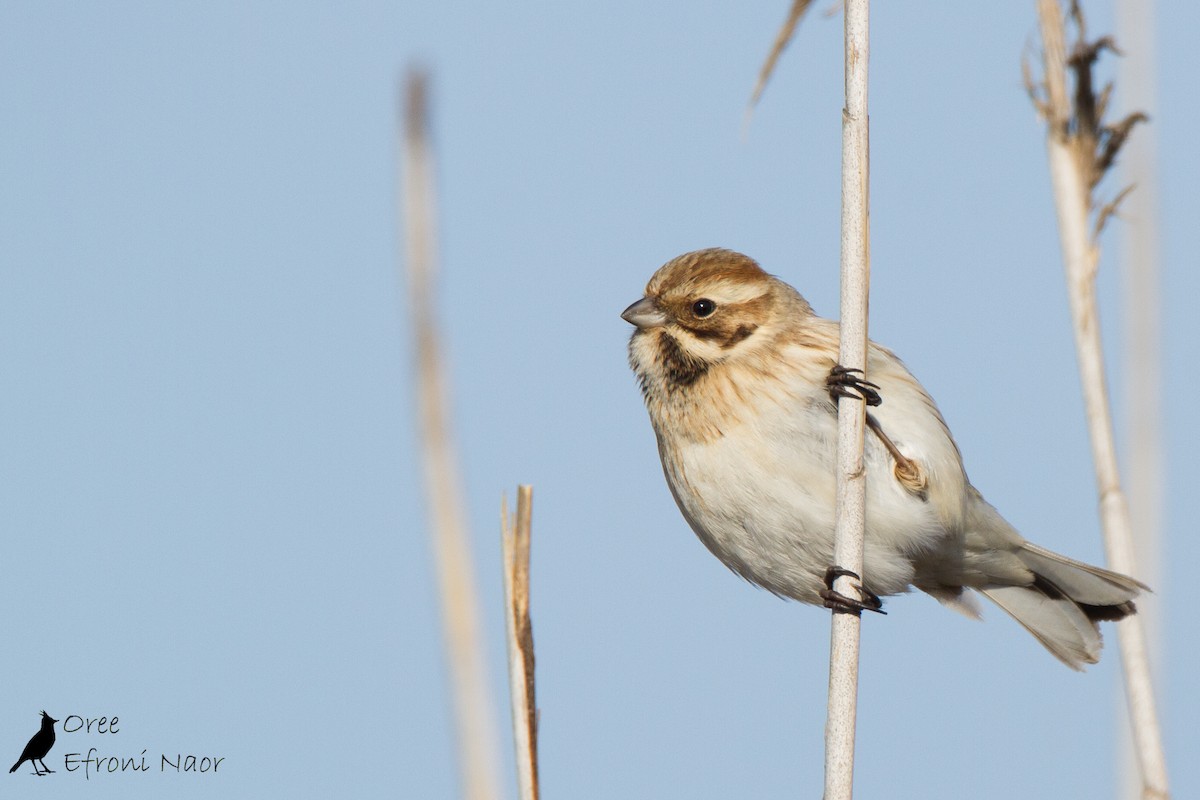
[[38, 747]]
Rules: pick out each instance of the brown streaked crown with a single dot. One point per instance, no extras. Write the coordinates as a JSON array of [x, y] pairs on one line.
[[704, 268]]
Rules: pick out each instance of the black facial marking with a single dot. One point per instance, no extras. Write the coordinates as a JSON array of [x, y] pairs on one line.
[[704, 333], [681, 368], [726, 337], [742, 333]]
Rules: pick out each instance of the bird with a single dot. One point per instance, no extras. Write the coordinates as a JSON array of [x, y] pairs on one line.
[[38, 747], [741, 381]]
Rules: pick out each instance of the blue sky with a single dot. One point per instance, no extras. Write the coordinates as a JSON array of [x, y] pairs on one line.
[[210, 494]]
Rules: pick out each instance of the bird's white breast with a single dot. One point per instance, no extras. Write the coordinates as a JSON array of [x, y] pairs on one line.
[[761, 496]]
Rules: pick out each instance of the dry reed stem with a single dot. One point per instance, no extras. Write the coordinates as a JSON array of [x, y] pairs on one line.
[[1141, 292], [1080, 149], [515, 535], [851, 475], [474, 723]]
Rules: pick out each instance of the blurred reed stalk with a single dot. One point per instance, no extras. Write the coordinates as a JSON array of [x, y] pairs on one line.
[[515, 534], [1081, 149], [475, 727], [851, 476], [1142, 297]]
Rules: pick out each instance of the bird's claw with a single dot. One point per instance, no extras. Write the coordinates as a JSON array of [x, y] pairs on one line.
[[840, 603], [844, 382]]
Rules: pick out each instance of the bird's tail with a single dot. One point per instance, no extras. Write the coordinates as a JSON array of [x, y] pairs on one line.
[[14, 766], [1065, 601]]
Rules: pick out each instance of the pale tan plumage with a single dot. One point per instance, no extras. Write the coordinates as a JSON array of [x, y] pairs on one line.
[[733, 364]]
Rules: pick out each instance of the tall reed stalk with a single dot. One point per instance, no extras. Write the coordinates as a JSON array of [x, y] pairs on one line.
[[851, 475], [475, 727], [1081, 148]]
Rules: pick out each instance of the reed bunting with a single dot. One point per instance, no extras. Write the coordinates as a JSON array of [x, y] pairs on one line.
[[740, 378]]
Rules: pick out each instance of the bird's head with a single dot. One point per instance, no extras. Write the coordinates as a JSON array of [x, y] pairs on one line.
[[705, 308], [47, 719]]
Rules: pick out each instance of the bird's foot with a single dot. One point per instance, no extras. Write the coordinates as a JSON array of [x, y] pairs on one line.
[[845, 382], [838, 602]]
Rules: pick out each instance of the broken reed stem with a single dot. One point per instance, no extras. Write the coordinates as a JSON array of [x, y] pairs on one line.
[[1075, 168], [851, 476], [515, 543], [475, 727], [784, 35]]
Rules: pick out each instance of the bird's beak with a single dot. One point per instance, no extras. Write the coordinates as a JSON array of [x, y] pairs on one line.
[[644, 313]]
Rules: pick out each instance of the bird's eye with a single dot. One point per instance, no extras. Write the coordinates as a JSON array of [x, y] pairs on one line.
[[704, 307]]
